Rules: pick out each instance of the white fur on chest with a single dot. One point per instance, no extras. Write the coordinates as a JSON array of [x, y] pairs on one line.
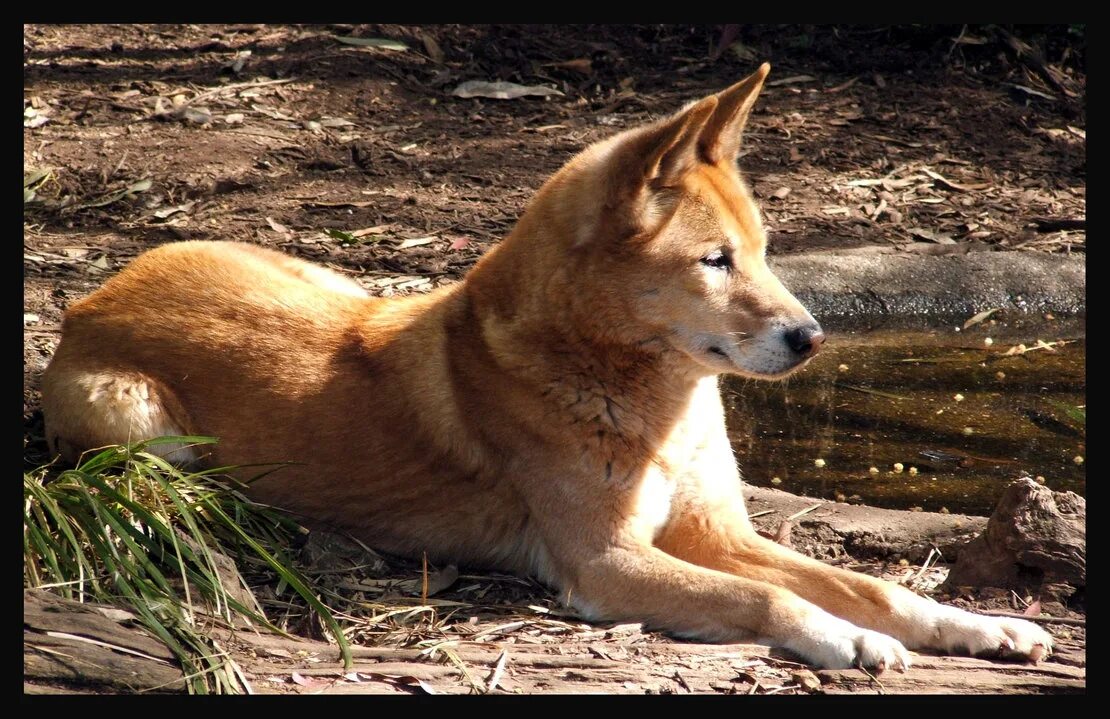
[[652, 507], [695, 461]]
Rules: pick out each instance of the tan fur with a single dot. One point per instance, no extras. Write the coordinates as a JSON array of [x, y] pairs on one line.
[[555, 414]]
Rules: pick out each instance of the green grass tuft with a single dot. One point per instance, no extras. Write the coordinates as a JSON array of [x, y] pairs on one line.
[[126, 527]]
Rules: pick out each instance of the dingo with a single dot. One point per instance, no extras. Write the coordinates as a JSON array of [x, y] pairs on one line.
[[555, 414]]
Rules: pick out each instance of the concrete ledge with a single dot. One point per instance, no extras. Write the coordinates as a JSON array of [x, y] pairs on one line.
[[840, 287]]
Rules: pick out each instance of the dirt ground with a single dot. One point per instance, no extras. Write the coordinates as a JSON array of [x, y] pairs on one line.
[[359, 155]]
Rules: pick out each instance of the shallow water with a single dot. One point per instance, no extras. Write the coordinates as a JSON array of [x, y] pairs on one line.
[[876, 398]]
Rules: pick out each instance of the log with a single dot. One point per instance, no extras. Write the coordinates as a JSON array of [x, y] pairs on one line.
[[1036, 541], [72, 647]]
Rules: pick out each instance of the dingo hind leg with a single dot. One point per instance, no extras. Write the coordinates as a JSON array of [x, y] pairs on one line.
[[84, 409]]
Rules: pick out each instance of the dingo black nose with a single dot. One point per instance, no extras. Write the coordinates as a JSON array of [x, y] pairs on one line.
[[805, 340]]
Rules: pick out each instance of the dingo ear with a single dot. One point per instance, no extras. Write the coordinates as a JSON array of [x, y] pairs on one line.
[[720, 138], [654, 158], [671, 151]]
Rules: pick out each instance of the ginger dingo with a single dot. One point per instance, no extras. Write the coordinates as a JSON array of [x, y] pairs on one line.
[[556, 414]]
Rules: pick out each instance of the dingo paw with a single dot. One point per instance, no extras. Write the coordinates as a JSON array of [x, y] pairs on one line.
[[980, 635], [833, 643]]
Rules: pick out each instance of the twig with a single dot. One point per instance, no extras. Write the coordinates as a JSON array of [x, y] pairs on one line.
[[232, 88], [875, 679], [1041, 620], [803, 512], [495, 677]]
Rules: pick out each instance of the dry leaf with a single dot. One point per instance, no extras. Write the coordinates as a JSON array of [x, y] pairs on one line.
[[459, 243], [416, 242], [278, 227], [308, 682], [792, 80], [955, 185], [442, 579], [582, 65], [432, 48], [980, 317], [375, 230], [931, 236], [781, 193], [501, 90], [163, 214]]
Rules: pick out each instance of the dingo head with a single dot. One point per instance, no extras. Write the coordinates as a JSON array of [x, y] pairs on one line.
[[665, 243]]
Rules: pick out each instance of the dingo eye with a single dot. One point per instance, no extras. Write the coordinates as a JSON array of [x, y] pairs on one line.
[[718, 260]]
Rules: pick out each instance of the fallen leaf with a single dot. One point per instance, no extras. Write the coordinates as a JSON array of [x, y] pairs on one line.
[[30, 318], [199, 115], [271, 113], [931, 236], [117, 195], [235, 118], [842, 86], [309, 682], [236, 65], [163, 214], [1031, 91], [340, 235], [495, 675], [33, 117], [375, 230], [742, 52], [955, 185], [416, 242], [432, 48], [277, 226], [379, 42], [459, 243], [781, 193], [502, 90], [980, 317], [442, 579], [792, 80], [342, 203], [581, 65], [34, 177]]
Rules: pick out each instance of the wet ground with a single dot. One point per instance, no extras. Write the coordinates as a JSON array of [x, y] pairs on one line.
[[930, 418]]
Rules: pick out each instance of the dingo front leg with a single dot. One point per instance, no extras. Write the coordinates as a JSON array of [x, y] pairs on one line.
[[628, 580], [729, 546], [610, 570]]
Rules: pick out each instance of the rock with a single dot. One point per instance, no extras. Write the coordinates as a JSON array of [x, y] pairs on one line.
[[1035, 540], [807, 680]]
